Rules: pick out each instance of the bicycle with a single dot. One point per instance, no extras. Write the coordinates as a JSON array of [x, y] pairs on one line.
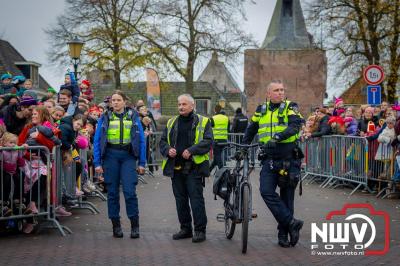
[[238, 204]]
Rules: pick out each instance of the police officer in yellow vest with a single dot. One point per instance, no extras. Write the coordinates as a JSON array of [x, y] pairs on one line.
[[220, 126], [120, 151], [277, 123], [185, 145]]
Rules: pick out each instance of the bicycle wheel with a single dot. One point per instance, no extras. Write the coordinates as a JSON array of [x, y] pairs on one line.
[[245, 220], [230, 225]]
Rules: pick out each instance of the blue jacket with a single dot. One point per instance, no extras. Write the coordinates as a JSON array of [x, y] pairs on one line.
[[138, 141], [73, 88]]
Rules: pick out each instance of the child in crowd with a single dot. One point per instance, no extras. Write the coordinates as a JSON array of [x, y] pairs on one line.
[[10, 160], [28, 86], [94, 113], [337, 124], [338, 108], [350, 123], [49, 95], [47, 130], [18, 82], [71, 85], [86, 90], [6, 85]]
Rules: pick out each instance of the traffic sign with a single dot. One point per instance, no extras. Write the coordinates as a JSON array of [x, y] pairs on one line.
[[374, 95], [374, 75]]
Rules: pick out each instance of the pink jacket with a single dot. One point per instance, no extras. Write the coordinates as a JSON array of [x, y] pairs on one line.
[[11, 160]]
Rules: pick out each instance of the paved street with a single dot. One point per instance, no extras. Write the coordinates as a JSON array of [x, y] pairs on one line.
[[92, 243]]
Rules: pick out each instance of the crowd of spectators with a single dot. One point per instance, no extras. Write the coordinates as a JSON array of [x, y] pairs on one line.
[[379, 125], [65, 118]]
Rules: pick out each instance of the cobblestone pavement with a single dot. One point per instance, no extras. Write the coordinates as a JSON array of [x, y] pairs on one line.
[[92, 243]]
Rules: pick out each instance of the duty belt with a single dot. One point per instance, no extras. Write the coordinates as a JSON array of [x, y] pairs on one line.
[[125, 147]]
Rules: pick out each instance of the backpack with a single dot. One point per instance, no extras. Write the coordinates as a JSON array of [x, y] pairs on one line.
[[222, 186]]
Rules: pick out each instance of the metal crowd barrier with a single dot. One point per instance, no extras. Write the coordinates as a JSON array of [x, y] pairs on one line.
[[155, 160], [229, 152], [348, 160], [87, 176], [31, 184], [68, 183]]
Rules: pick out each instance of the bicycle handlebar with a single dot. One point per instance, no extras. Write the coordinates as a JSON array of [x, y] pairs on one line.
[[248, 146]]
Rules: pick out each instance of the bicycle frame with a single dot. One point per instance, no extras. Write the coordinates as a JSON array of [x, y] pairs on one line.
[[244, 181]]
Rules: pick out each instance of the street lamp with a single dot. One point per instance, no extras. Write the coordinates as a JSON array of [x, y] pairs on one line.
[[75, 48], [222, 102]]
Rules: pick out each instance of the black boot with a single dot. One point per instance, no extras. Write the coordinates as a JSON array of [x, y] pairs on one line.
[[117, 230], [183, 233], [199, 236], [294, 231], [135, 228], [283, 240]]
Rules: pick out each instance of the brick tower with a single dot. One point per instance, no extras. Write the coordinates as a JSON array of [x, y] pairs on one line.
[[288, 54]]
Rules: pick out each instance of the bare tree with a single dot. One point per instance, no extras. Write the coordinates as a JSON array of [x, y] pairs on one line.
[[182, 31], [108, 28], [360, 32]]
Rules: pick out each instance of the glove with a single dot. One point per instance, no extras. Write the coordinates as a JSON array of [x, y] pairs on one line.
[[271, 144]]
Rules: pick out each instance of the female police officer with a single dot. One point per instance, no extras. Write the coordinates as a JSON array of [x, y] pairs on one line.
[[118, 143]]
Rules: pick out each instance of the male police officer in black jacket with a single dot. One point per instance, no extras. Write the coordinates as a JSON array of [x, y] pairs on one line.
[[240, 122], [185, 144], [277, 123]]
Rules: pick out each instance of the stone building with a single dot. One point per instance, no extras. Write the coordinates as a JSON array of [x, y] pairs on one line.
[[288, 54], [217, 74]]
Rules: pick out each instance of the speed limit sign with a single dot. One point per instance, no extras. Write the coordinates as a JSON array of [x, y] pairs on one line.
[[374, 75]]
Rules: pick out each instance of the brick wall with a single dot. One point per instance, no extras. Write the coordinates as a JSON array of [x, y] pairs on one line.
[[303, 71]]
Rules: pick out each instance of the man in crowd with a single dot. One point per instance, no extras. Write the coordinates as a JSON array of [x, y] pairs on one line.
[[16, 116], [65, 101]]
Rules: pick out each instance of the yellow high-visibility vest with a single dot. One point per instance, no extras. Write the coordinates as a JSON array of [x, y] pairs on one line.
[[198, 159]]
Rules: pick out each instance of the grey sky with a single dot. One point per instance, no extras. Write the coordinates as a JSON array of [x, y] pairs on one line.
[[25, 30]]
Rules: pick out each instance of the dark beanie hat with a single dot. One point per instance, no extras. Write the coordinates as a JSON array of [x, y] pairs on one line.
[[27, 100], [238, 110]]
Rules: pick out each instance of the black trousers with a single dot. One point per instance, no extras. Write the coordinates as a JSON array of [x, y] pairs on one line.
[[189, 188], [5, 186]]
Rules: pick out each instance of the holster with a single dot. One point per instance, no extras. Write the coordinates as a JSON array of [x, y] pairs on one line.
[[298, 153], [284, 175]]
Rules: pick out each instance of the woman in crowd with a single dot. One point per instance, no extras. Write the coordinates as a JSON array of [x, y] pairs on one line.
[[39, 132], [368, 123]]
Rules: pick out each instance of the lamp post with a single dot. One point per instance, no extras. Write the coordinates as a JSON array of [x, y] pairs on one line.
[[75, 48]]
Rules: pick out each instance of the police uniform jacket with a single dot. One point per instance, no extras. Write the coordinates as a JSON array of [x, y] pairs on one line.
[[283, 150]]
